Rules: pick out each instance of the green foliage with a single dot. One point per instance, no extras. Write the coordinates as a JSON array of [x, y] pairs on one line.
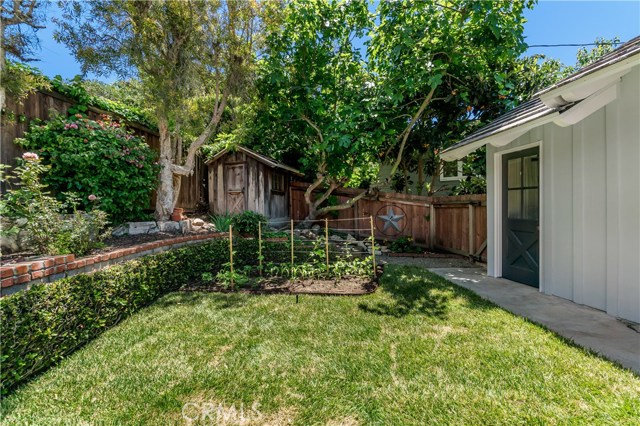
[[75, 89], [96, 159], [221, 222], [247, 222], [342, 266], [19, 80], [20, 21], [462, 53], [230, 279], [48, 229], [331, 360], [190, 57], [475, 184], [49, 321], [404, 245], [318, 98], [603, 46]]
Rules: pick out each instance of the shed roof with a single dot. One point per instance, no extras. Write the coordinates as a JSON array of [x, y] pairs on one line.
[[259, 157], [542, 107]]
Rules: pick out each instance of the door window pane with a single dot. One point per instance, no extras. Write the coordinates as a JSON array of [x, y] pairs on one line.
[[514, 210], [530, 204], [530, 170], [514, 169]]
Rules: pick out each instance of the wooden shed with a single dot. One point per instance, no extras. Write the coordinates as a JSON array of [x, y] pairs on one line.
[[242, 180]]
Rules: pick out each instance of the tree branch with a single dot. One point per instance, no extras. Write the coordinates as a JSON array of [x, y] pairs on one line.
[[407, 130], [316, 128], [344, 205], [327, 194]]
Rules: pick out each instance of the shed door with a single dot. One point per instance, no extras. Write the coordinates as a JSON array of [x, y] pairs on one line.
[[521, 217], [234, 174]]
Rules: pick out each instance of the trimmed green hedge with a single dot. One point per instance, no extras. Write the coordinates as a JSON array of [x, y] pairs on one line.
[[44, 324]]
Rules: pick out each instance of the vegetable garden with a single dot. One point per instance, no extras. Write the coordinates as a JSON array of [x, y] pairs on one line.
[[320, 259]]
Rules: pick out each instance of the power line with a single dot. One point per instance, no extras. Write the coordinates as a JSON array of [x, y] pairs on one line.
[[577, 44]]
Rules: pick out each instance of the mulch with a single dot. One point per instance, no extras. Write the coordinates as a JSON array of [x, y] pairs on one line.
[[347, 286], [125, 241], [110, 244]]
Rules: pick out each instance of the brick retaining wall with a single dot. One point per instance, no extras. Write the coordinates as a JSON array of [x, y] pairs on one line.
[[20, 276]]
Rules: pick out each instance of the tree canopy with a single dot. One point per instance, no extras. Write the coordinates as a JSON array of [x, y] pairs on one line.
[[433, 66], [319, 94], [183, 52]]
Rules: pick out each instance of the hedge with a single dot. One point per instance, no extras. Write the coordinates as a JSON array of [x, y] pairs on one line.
[[46, 323]]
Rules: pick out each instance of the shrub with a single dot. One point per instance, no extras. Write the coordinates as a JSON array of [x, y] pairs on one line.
[[221, 222], [48, 229], [98, 158], [247, 222], [46, 323], [404, 245]]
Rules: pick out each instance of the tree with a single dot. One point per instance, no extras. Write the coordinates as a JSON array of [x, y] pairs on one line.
[[444, 67], [181, 51], [436, 66], [319, 98], [20, 20]]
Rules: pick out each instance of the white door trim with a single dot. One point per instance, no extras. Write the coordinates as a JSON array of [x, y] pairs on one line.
[[497, 208]]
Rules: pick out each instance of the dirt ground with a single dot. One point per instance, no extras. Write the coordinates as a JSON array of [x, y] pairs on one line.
[[344, 286]]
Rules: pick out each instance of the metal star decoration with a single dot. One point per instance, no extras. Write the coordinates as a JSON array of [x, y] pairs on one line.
[[391, 219]]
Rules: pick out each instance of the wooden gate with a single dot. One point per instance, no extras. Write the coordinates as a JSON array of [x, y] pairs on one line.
[[235, 188]]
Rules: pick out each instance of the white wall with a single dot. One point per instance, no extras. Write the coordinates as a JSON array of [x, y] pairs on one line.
[[590, 219]]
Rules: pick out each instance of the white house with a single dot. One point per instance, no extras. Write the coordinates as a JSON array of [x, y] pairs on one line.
[[563, 186]]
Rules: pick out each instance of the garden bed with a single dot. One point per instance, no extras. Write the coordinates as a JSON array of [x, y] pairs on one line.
[[346, 286]]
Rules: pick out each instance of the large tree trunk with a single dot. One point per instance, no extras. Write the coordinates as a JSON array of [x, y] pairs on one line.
[[3, 64], [165, 192], [315, 210], [171, 159]]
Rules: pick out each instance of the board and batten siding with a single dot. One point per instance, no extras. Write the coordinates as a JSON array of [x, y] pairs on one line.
[[590, 205], [259, 195]]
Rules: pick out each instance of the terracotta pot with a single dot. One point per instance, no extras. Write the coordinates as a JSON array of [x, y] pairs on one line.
[[177, 214]]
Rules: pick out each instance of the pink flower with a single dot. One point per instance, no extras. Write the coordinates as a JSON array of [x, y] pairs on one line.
[[92, 197], [29, 156]]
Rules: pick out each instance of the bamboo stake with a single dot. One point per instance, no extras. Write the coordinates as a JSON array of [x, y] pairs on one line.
[[326, 241], [231, 253], [373, 246], [260, 247], [292, 243]]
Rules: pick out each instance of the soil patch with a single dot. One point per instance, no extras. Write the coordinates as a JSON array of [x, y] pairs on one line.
[[275, 285], [110, 244], [115, 243]]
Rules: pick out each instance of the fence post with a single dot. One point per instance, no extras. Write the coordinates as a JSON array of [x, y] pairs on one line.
[[471, 230], [432, 226], [291, 242], [326, 241], [231, 252], [260, 248], [373, 246]]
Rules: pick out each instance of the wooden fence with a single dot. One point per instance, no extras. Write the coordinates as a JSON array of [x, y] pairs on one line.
[[41, 105], [456, 224]]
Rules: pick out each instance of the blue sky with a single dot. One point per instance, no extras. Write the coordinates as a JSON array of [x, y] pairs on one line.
[[550, 22]]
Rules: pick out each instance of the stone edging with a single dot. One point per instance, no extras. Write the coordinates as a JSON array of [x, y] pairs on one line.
[[20, 276]]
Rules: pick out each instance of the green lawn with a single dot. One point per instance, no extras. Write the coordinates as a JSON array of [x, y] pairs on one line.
[[419, 351]]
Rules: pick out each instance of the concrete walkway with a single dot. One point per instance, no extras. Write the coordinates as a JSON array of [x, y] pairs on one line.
[[587, 327]]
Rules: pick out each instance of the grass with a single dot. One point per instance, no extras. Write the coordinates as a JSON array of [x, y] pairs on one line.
[[419, 351]]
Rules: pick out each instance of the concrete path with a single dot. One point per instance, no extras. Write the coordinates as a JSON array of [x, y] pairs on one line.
[[587, 327]]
